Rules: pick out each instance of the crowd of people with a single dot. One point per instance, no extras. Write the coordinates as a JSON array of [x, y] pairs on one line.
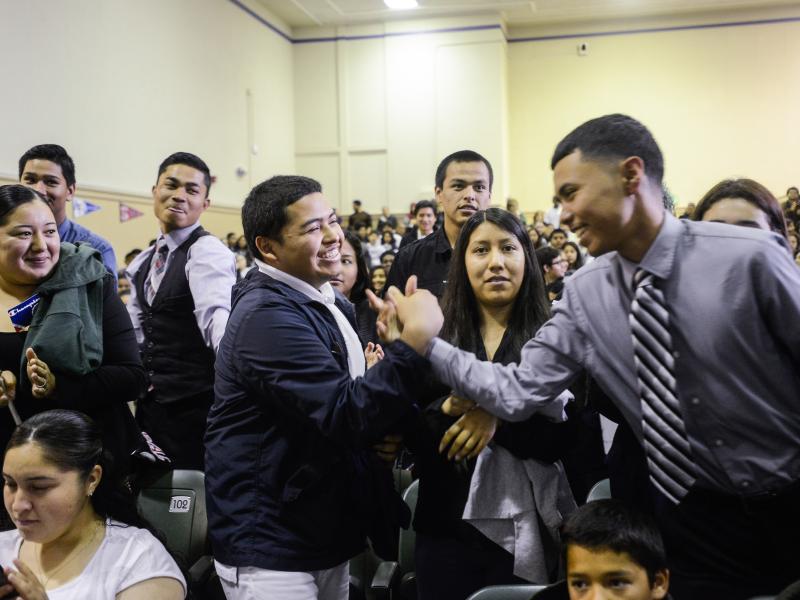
[[474, 346]]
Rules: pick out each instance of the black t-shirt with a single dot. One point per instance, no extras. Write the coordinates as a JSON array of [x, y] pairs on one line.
[[428, 259]]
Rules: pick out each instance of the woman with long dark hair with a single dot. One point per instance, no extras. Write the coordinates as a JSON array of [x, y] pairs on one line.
[[353, 282], [573, 255], [493, 304], [78, 535]]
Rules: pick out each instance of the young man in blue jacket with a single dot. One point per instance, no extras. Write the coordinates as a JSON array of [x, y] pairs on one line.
[[292, 479]]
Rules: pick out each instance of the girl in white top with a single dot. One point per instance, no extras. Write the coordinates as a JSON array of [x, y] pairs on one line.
[[75, 539]]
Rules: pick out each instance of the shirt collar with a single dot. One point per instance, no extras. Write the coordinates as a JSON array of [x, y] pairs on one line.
[[65, 226], [442, 244], [660, 257], [325, 294], [177, 236]]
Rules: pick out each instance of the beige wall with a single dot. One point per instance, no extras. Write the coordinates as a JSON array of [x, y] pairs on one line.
[[123, 84], [721, 102], [138, 232], [373, 117]]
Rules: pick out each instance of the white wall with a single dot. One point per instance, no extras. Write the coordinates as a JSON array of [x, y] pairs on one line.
[[721, 102], [375, 116], [122, 84]]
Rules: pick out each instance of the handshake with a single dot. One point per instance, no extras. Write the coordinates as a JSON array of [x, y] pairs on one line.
[[414, 317]]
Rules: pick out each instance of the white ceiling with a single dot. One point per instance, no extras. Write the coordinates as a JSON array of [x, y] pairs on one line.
[[310, 13]]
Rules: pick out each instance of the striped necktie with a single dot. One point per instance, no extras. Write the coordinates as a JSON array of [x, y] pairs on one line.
[[669, 456], [157, 269]]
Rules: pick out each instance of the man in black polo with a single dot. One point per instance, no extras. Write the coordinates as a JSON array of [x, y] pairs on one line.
[[179, 306], [463, 187]]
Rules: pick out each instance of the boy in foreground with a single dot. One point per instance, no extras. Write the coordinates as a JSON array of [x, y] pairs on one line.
[[613, 552]]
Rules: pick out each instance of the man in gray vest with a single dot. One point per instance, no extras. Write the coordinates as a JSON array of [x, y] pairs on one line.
[[179, 305]]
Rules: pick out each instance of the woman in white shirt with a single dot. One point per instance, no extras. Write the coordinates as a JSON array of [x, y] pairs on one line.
[[76, 535]]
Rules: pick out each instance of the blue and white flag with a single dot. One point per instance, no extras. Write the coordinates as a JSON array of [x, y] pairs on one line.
[[81, 208]]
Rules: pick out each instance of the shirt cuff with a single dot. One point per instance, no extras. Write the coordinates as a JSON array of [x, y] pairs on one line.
[[438, 351]]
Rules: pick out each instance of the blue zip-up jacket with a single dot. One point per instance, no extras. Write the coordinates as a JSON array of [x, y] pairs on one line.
[[292, 484]]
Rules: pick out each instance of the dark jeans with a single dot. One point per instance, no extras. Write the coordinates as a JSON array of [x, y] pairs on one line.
[[177, 428], [724, 547], [451, 569]]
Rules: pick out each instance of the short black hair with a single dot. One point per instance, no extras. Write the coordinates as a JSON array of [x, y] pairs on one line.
[[357, 202], [264, 209], [557, 230], [133, 254], [461, 156], [610, 525], [55, 154], [750, 191], [613, 137], [424, 204], [190, 160], [546, 255]]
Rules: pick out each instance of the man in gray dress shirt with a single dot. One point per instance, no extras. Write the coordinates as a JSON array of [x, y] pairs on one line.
[[733, 298]]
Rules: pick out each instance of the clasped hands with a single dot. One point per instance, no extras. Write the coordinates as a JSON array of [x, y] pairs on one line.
[[414, 317], [43, 382]]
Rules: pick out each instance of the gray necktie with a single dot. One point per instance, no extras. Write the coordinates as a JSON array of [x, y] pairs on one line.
[[669, 456], [157, 269]]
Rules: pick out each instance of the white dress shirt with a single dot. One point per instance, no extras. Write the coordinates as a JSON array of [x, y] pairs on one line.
[[211, 273]]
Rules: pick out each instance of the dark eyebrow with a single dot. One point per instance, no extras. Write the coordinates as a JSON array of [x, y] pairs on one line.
[[30, 226], [36, 478], [174, 180], [464, 181]]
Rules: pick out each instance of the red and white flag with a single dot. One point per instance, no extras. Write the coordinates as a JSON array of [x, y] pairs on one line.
[[126, 213]]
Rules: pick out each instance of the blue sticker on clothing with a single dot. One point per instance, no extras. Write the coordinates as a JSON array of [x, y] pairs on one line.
[[22, 314]]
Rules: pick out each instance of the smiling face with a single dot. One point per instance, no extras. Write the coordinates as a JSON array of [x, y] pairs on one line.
[[180, 196], [43, 501], [594, 203], [425, 220], [29, 244], [345, 279], [47, 178], [606, 575], [737, 211], [378, 279], [495, 264], [465, 191], [556, 269], [310, 244]]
